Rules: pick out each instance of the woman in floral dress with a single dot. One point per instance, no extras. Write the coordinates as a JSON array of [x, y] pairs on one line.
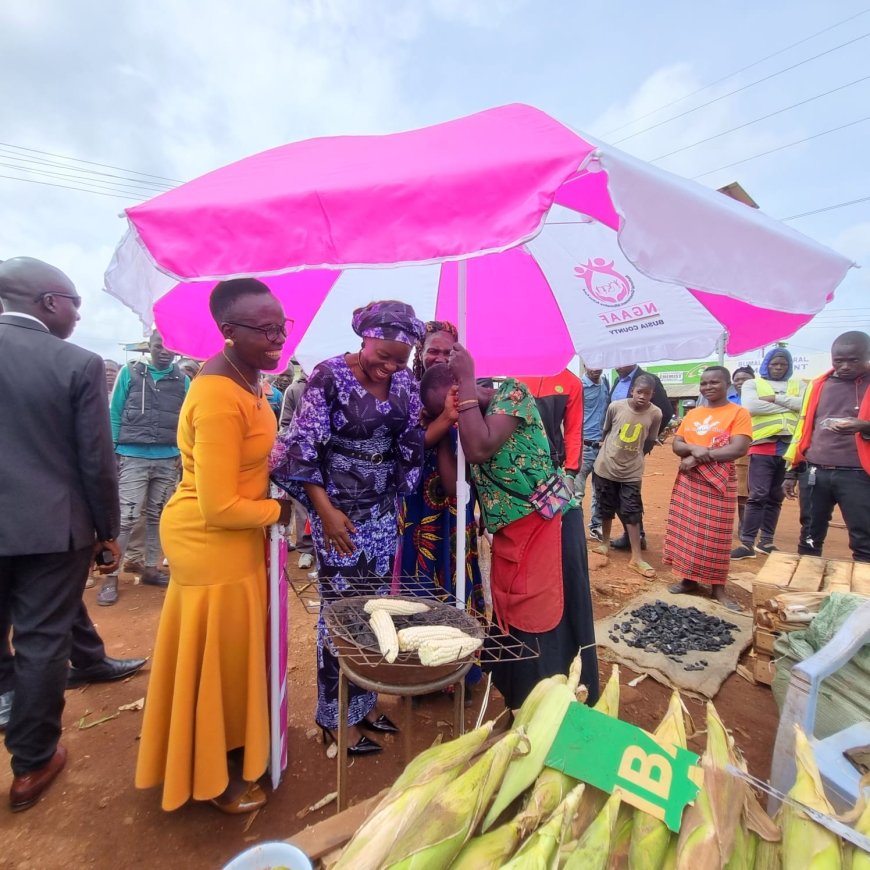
[[354, 444]]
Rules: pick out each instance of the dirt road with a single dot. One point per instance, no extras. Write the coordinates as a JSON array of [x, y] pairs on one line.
[[94, 817]]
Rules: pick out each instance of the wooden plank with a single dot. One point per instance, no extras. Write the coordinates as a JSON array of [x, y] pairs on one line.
[[838, 576], [332, 833], [808, 575], [778, 569], [763, 640], [763, 592], [861, 578], [764, 670]]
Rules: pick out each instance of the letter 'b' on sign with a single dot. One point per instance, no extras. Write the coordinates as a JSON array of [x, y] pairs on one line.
[[611, 754], [650, 772]]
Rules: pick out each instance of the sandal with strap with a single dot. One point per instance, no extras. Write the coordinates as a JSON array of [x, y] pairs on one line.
[[644, 569], [602, 550]]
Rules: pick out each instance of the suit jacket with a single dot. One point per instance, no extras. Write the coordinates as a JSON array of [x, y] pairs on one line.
[[659, 398], [58, 479]]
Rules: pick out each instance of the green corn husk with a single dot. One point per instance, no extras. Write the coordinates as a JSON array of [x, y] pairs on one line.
[[542, 730], [539, 851], [490, 851], [593, 799], [805, 843], [550, 789], [620, 842], [708, 827], [552, 786], [743, 853], [650, 837], [530, 706], [860, 858], [425, 777], [768, 856], [453, 815], [670, 860], [593, 848]]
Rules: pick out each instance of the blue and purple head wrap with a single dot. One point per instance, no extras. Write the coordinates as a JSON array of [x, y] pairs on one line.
[[390, 320]]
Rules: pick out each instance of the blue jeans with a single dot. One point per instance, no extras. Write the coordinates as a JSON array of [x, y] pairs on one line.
[[589, 456], [144, 486]]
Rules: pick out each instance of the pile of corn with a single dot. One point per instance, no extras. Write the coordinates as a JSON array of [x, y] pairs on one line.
[[481, 803], [434, 644]]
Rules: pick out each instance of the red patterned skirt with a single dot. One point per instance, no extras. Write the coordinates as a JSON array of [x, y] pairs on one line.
[[701, 522]]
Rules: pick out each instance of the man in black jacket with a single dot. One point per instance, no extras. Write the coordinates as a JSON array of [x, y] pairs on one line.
[[58, 504], [622, 386]]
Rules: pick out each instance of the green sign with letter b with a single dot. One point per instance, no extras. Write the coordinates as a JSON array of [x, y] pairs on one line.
[[611, 754]]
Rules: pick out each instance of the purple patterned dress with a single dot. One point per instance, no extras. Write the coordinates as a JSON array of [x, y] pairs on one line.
[[364, 452]]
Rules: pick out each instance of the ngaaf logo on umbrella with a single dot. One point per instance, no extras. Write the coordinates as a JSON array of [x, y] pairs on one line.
[[604, 284]]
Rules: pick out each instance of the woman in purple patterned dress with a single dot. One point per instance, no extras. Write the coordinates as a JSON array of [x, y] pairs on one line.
[[354, 444]]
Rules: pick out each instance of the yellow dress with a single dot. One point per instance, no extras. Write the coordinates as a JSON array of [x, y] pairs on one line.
[[208, 688]]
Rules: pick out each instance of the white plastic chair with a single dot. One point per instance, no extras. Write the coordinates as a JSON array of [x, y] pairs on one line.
[[839, 777]]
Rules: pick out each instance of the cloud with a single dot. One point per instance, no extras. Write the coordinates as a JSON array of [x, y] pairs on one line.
[[635, 125]]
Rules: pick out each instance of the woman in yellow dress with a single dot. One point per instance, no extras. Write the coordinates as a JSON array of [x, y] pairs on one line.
[[206, 726]]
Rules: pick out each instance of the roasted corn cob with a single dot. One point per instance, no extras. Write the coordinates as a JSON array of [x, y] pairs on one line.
[[395, 606], [440, 652], [411, 638], [382, 625]]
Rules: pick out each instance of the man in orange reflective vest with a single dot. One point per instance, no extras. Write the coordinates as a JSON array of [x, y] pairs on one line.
[[832, 442]]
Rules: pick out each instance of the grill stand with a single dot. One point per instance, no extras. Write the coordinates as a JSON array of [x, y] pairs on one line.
[[406, 692]]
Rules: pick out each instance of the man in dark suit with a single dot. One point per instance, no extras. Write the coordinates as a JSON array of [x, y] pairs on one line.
[[622, 386], [58, 504]]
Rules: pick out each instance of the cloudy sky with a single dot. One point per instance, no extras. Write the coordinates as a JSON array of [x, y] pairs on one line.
[[155, 92]]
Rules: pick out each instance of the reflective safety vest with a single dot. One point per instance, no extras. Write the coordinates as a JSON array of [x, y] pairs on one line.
[[780, 424]]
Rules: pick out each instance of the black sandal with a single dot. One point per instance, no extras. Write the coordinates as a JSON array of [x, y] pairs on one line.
[[382, 724], [363, 746]]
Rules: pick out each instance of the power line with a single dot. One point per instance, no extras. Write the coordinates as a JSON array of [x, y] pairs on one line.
[[66, 187], [742, 88], [35, 161], [736, 72], [794, 217], [782, 147], [762, 118], [111, 185], [91, 162]]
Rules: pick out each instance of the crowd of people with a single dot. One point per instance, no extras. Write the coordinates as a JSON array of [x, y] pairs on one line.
[[364, 452]]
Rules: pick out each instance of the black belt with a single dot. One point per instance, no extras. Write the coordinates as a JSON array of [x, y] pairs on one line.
[[591, 443], [374, 458], [837, 467]]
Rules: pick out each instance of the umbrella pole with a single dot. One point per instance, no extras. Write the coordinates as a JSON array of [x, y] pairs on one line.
[[461, 485]]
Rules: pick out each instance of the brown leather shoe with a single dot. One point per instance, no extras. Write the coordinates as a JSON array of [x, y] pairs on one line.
[[252, 798], [26, 789]]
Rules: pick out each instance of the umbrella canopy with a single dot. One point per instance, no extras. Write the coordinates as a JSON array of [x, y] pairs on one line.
[[571, 247]]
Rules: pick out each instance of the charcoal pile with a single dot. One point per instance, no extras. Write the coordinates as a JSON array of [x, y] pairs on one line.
[[674, 631]]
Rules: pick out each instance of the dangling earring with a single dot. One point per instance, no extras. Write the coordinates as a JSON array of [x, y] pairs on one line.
[[229, 342]]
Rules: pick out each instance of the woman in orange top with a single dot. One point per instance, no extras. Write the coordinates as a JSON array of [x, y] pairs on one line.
[[701, 517], [205, 732]]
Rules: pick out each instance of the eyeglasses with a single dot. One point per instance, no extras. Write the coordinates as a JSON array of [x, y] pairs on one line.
[[273, 331], [77, 300]]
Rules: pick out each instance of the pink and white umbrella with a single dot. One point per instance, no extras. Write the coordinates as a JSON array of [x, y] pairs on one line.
[[542, 242], [562, 245]]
